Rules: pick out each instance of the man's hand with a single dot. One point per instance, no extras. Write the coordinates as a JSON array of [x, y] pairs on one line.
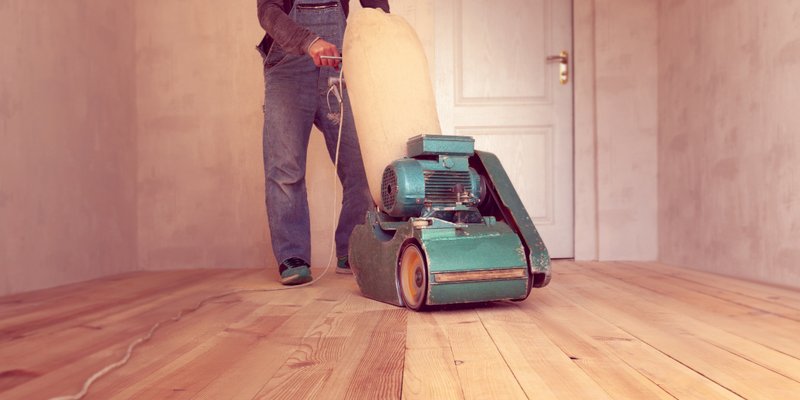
[[322, 48]]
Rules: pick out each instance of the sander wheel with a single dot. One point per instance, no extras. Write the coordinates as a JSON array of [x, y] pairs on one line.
[[413, 274]]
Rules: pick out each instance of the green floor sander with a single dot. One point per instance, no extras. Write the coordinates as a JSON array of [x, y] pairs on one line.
[[451, 230]]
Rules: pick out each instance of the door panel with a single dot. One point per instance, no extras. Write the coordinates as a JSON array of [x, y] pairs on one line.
[[514, 77], [493, 82], [523, 147]]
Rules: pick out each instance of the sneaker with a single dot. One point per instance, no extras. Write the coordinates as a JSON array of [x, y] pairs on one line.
[[343, 265], [295, 271]]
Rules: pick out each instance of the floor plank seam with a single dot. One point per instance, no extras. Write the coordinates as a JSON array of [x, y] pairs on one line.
[[633, 367], [660, 351], [745, 304], [753, 361], [403, 365], [585, 372], [698, 282], [573, 360], [288, 355], [172, 323], [671, 357], [458, 372], [32, 328], [765, 345], [734, 333], [721, 299], [503, 356], [715, 288], [322, 319]]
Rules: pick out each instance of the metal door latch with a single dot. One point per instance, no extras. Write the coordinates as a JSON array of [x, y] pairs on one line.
[[563, 60]]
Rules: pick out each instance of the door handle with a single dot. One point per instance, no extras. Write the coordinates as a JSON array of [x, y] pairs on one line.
[[563, 68]]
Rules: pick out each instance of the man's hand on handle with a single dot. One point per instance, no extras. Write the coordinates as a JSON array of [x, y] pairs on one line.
[[320, 48]]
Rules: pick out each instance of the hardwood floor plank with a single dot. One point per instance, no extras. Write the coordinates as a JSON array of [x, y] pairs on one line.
[[782, 296], [600, 330], [752, 305], [22, 303], [429, 368], [98, 347], [253, 337], [769, 339], [482, 370], [671, 376], [379, 373], [677, 336], [597, 361], [766, 324], [332, 347], [330, 354], [93, 332], [69, 377], [542, 368], [92, 300], [253, 368]]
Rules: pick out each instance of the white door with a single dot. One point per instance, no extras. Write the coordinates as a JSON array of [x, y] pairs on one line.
[[494, 83]]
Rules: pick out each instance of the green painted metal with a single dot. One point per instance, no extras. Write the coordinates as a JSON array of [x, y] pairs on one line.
[[440, 144], [412, 182], [373, 258], [500, 187], [405, 194], [454, 238], [476, 292], [374, 254], [474, 247]]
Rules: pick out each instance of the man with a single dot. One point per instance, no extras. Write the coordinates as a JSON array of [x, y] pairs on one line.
[[298, 34]]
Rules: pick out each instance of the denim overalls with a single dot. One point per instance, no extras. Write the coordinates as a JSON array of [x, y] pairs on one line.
[[295, 98]]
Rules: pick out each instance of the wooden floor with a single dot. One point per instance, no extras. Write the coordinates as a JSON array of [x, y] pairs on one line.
[[600, 330]]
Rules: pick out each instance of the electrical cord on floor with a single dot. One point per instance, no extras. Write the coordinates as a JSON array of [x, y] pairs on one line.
[[129, 353]]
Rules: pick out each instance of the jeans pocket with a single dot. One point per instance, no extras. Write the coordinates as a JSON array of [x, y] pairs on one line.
[[317, 6], [275, 56]]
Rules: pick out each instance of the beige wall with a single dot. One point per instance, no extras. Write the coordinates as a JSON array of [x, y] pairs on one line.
[[616, 64], [729, 145], [199, 91], [585, 137], [67, 159]]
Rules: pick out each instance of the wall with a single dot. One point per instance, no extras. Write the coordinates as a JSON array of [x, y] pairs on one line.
[[729, 146], [585, 135], [199, 96], [67, 165], [616, 83]]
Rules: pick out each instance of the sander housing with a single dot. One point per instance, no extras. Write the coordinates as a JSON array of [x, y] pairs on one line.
[[451, 229]]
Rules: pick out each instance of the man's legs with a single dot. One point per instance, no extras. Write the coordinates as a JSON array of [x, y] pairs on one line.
[[288, 116]]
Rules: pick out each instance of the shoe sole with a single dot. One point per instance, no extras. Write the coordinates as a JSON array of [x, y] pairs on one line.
[[295, 280], [344, 271]]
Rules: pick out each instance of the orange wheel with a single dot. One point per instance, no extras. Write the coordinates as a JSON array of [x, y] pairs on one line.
[[413, 277]]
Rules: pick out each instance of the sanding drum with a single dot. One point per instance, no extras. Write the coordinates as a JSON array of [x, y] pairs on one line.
[[389, 86]]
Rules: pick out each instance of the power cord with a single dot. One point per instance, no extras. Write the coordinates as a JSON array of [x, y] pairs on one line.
[[129, 353]]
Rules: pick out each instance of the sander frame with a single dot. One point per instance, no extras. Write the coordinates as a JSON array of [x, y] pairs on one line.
[[428, 261]]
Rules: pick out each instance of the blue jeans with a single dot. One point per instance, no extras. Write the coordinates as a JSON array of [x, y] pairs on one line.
[[295, 98]]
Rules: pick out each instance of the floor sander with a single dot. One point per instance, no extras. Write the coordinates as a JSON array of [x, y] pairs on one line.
[[451, 229]]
